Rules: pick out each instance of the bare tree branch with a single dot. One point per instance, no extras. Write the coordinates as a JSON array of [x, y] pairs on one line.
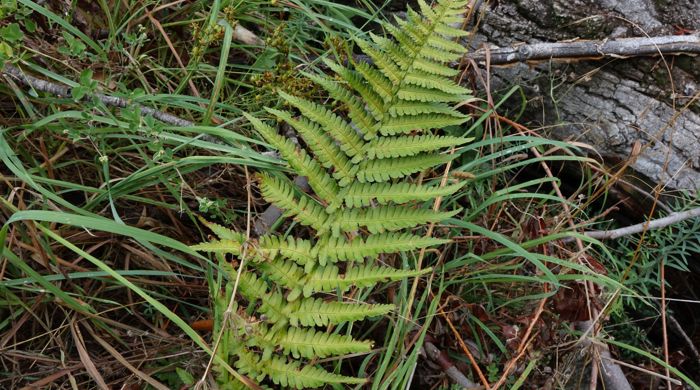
[[264, 221], [113, 101], [640, 227], [613, 376], [584, 49], [451, 371]]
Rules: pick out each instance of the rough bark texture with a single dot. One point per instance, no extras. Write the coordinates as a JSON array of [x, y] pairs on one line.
[[612, 103]]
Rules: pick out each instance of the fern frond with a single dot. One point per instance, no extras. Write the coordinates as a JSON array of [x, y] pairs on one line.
[[335, 249], [420, 122], [354, 157], [381, 60], [431, 52], [433, 67], [379, 170], [385, 218], [397, 53], [414, 93], [292, 248], [390, 147], [320, 181], [356, 111], [362, 194], [317, 312], [441, 43], [350, 142], [277, 311], [329, 278], [426, 10], [249, 285], [403, 107], [450, 31], [380, 84], [219, 246], [302, 207], [285, 273], [427, 80], [310, 343], [375, 103], [288, 374], [325, 149], [222, 232], [408, 39]]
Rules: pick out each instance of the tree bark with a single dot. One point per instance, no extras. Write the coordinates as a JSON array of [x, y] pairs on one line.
[[609, 103]]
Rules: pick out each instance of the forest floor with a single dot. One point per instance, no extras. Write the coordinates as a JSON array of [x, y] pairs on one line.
[[100, 201]]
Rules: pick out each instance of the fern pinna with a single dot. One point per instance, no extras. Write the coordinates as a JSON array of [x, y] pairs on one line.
[[358, 159]]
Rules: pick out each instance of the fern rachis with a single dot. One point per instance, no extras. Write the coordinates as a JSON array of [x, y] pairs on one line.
[[358, 160]]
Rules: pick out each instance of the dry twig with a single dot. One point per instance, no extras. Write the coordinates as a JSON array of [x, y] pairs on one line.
[[644, 226], [585, 49], [451, 371], [108, 100]]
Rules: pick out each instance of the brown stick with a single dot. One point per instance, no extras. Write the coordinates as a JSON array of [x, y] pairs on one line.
[[607, 48], [451, 371], [113, 101], [613, 376], [266, 219], [644, 226]]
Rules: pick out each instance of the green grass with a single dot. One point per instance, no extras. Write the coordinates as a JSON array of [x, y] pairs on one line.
[[98, 205]]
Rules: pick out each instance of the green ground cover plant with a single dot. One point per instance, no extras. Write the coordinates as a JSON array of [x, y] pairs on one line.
[[130, 254]]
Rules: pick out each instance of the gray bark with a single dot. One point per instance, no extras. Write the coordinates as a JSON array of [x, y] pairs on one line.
[[609, 104]]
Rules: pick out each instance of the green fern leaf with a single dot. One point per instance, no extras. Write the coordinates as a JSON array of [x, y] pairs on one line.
[[301, 206], [391, 147], [404, 107], [430, 52], [369, 139], [420, 122], [285, 273], [310, 343], [427, 80], [325, 149], [433, 67], [335, 249], [385, 218], [320, 181], [450, 31], [250, 286], [277, 311], [220, 246], [222, 232], [317, 312], [350, 142], [387, 169], [386, 65], [415, 93], [363, 194], [380, 84], [356, 111], [329, 278], [375, 103], [292, 248], [397, 54], [441, 43], [288, 374]]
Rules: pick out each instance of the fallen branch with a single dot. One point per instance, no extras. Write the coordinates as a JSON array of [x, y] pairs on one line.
[[585, 49], [451, 371], [689, 342], [266, 219], [613, 376], [108, 100], [640, 227]]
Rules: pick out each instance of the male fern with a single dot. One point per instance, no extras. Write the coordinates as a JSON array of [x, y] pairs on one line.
[[358, 160]]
